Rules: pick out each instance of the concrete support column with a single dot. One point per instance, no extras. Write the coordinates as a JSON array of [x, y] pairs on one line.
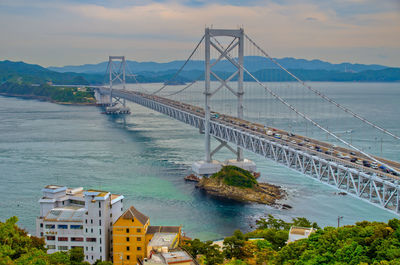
[[207, 94], [240, 87]]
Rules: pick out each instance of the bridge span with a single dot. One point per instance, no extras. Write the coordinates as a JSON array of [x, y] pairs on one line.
[[346, 167], [320, 160]]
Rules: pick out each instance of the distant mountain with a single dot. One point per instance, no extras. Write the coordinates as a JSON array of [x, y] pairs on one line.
[[20, 72], [36, 74], [252, 63]]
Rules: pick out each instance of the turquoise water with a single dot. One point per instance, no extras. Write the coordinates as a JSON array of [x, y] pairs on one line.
[[146, 156]]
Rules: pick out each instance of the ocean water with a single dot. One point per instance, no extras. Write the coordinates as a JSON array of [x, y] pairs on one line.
[[146, 155]]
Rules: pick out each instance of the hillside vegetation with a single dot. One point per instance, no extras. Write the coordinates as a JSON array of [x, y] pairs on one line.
[[360, 244], [49, 93]]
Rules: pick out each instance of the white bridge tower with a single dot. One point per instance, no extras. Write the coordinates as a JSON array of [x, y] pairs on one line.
[[208, 166]]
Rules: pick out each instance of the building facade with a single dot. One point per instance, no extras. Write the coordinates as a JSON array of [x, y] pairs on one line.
[[134, 240], [78, 218]]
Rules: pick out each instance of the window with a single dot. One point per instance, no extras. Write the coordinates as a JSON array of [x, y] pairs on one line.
[[77, 247], [127, 248], [127, 239], [41, 224], [50, 238], [63, 202], [110, 214], [139, 248], [49, 226], [86, 230], [41, 233], [138, 230], [139, 239], [63, 239], [99, 213], [62, 247], [86, 221], [91, 221], [87, 250], [127, 257], [100, 240], [51, 246], [91, 230], [90, 239], [99, 205], [77, 239], [99, 222], [92, 249], [121, 209], [77, 202], [100, 249], [76, 226], [100, 231], [87, 257], [62, 226], [127, 230]]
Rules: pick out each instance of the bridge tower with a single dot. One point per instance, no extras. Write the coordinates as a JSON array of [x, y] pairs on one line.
[[117, 76], [210, 166]]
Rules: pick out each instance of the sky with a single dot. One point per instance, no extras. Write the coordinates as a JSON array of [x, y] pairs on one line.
[[74, 32]]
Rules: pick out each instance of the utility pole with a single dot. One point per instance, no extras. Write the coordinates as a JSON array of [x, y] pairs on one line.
[[338, 220]]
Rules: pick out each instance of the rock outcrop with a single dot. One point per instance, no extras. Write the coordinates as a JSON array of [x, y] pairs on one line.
[[260, 193]]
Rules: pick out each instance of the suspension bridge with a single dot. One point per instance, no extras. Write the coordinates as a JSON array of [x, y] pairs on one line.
[[246, 100]]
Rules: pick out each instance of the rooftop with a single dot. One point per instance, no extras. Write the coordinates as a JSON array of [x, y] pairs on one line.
[[304, 231], [53, 187], [163, 240], [176, 257], [169, 258], [162, 229], [67, 213], [132, 213]]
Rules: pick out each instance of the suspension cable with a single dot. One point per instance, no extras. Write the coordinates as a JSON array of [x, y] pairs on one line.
[[186, 87], [177, 73], [314, 122], [136, 81], [267, 89], [323, 95]]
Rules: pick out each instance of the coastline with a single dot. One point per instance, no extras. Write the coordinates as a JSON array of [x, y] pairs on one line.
[[47, 99]]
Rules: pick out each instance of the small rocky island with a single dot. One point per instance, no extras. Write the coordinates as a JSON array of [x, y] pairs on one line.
[[237, 184]]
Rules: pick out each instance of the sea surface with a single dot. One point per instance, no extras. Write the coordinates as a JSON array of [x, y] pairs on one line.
[[146, 155]]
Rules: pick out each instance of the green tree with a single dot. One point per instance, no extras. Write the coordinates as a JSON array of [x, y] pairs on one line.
[[211, 253], [76, 256], [233, 245]]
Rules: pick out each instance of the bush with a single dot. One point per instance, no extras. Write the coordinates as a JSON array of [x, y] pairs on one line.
[[235, 176]]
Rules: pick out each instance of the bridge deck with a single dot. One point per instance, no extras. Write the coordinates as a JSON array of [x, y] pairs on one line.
[[327, 150], [322, 161]]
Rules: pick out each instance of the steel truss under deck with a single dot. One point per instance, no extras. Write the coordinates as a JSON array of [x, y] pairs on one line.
[[368, 186]]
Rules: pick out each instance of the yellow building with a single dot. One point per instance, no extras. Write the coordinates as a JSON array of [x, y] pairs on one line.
[[129, 232], [133, 235]]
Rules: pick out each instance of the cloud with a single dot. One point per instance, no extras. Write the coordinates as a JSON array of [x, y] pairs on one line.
[[73, 32]]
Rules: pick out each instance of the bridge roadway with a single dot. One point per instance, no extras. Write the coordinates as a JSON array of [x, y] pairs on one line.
[[332, 165]]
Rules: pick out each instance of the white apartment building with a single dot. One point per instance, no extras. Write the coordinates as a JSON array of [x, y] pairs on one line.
[[78, 218]]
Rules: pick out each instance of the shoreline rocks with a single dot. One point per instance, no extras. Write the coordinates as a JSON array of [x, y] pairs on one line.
[[262, 193]]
